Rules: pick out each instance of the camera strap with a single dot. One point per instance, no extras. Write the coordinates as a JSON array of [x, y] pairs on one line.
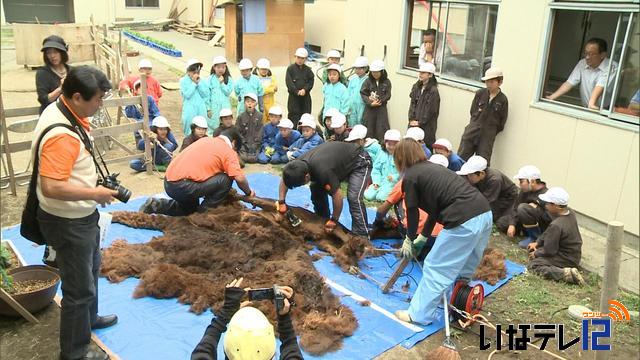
[[84, 137]]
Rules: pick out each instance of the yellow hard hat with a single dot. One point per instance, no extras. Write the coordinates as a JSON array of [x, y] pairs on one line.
[[249, 336]]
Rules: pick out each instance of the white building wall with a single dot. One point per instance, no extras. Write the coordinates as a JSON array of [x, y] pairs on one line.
[[596, 163]]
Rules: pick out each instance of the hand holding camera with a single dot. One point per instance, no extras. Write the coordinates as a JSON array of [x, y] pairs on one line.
[[282, 297]]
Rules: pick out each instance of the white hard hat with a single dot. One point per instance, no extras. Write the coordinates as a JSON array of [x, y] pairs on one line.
[[199, 121], [307, 120], [302, 52], [555, 195], [361, 61], [414, 133], [337, 120], [333, 54], [193, 62], [219, 60], [225, 112], [474, 164], [427, 67], [392, 135], [330, 112], [275, 110], [245, 64], [528, 172], [377, 65], [144, 63], [161, 122], [335, 67], [250, 95], [263, 64], [492, 73], [285, 123], [442, 144], [249, 336], [439, 159], [370, 141], [358, 132]]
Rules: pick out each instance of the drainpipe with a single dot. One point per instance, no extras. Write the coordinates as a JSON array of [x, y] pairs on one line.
[[202, 13]]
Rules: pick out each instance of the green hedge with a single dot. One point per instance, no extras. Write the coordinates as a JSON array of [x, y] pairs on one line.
[[150, 39]]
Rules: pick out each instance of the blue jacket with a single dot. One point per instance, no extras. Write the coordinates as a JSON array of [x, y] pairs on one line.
[[269, 133], [383, 166], [133, 112], [356, 105], [161, 157], [335, 96], [244, 86], [426, 150], [373, 149], [455, 162], [282, 142], [303, 145], [219, 98]]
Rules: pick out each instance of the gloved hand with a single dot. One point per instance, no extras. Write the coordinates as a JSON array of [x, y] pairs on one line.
[[330, 225], [290, 155], [419, 243], [407, 248], [281, 207], [232, 296], [269, 151], [378, 223]]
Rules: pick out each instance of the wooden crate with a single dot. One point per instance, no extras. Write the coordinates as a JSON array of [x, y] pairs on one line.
[[28, 41]]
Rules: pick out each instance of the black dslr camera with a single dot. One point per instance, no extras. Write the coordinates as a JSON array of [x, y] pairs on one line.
[[272, 293], [111, 182]]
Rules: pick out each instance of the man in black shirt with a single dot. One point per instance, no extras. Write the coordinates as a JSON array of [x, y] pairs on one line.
[[496, 187], [325, 167], [299, 79], [465, 215]]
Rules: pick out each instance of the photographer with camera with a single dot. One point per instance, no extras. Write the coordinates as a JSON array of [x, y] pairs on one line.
[[68, 194], [249, 335]]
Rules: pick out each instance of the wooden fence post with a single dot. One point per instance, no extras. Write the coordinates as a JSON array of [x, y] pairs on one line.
[[7, 152], [145, 125]]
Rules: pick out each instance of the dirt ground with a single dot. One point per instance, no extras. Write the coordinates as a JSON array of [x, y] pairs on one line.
[[526, 299]]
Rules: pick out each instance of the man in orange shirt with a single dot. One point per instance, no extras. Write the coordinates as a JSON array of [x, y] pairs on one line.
[[68, 197], [207, 168]]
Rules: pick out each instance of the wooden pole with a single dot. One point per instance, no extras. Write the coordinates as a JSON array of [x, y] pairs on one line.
[[615, 234], [145, 122], [7, 152]]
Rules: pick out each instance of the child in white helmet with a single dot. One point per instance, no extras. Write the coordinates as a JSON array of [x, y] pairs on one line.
[[195, 94], [384, 174], [269, 84], [248, 83], [198, 131], [376, 92], [163, 143], [220, 90], [334, 93], [153, 85], [333, 57], [356, 105], [248, 333]]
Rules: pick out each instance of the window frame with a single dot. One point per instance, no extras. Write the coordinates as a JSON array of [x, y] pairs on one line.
[[405, 39], [143, 5], [601, 116]]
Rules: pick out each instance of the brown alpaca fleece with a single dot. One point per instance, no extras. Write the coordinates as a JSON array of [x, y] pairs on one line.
[[200, 253], [492, 267]]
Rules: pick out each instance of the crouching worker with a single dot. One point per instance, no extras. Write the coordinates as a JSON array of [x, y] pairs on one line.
[[163, 143], [463, 212], [199, 129], [248, 333], [206, 169], [557, 252], [325, 167]]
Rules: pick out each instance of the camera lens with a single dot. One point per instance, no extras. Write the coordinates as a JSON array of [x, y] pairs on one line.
[[124, 194]]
